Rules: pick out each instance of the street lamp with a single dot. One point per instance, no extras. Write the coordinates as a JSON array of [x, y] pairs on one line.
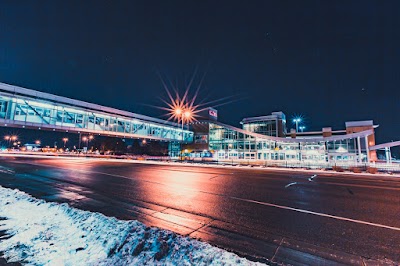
[[85, 139], [37, 142], [178, 111], [90, 139], [302, 128], [65, 141], [11, 139], [297, 121], [8, 139], [183, 114], [187, 114]]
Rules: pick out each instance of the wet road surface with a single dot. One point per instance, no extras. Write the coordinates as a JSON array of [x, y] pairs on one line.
[[266, 215]]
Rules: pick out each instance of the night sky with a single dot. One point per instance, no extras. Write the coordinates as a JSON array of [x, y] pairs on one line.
[[331, 61]]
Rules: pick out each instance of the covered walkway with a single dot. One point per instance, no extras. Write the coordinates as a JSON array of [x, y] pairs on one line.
[[25, 108]]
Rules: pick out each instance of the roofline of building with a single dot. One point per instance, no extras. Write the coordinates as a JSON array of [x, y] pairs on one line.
[[364, 133], [384, 145], [361, 123], [258, 118], [273, 115]]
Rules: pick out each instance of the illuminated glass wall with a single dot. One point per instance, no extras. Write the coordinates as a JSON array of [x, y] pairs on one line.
[[227, 143], [42, 113]]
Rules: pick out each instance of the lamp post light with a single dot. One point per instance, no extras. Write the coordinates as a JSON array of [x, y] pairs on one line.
[[90, 139], [179, 113], [65, 141], [11, 139], [182, 114], [187, 115], [37, 142], [302, 128], [297, 121], [8, 139], [85, 139]]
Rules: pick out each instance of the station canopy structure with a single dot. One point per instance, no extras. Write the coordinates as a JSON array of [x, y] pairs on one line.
[[230, 142], [26, 108]]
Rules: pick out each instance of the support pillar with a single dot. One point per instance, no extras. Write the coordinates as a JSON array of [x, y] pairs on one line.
[[367, 148], [10, 113], [388, 155]]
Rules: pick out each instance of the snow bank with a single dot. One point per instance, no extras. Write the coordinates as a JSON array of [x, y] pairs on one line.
[[42, 233]]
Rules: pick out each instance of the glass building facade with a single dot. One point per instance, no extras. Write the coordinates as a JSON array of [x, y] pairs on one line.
[[270, 125], [227, 142]]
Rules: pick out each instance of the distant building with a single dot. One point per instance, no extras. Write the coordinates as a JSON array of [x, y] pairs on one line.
[[266, 138], [270, 125]]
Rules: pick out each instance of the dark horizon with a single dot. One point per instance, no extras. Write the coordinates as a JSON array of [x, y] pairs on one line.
[[330, 62]]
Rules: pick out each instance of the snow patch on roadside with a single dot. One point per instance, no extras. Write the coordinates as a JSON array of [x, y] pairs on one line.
[[43, 233]]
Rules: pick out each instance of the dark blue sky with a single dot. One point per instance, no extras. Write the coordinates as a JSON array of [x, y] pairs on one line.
[[332, 61]]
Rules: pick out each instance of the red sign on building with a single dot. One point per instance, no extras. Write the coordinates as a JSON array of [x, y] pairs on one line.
[[213, 113]]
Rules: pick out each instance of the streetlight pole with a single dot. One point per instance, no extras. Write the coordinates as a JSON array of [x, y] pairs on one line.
[[90, 139], [80, 138], [8, 139], [85, 139], [182, 113], [179, 113], [187, 114], [65, 141], [297, 121], [182, 138]]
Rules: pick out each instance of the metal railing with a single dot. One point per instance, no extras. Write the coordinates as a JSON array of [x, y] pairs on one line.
[[337, 166]]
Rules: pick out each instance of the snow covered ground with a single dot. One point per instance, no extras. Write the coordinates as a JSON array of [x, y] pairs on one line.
[[43, 233]]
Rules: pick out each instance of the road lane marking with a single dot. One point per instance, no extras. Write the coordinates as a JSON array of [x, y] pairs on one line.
[[247, 200], [317, 213], [277, 248], [312, 178], [291, 184]]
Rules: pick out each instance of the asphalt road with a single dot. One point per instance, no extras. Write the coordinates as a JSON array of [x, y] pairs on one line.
[[264, 214]]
